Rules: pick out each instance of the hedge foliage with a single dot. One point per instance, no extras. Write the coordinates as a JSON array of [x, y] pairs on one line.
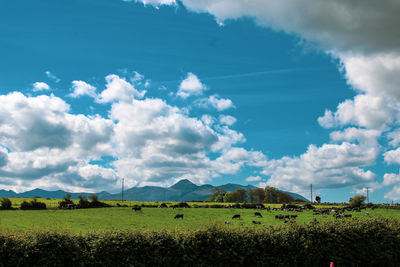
[[355, 242]]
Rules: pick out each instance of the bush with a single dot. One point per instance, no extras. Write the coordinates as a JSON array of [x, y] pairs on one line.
[[5, 203], [374, 242], [33, 205], [356, 201]]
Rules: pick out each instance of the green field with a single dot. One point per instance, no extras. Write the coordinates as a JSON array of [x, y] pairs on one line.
[[106, 219]]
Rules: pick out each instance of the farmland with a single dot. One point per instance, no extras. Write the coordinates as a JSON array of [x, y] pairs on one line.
[[153, 219]]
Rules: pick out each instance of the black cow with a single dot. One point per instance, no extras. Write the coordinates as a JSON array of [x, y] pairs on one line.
[[256, 222], [137, 208], [236, 216], [177, 216], [257, 214]]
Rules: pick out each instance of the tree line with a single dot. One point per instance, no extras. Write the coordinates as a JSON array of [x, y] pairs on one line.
[[259, 195]]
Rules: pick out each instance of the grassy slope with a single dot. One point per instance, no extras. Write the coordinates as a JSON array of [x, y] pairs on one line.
[[104, 219]]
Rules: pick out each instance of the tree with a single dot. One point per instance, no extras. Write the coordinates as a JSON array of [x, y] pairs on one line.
[[356, 201], [318, 199], [257, 195], [237, 196], [217, 195], [83, 202], [271, 195], [94, 198], [67, 197], [5, 203]]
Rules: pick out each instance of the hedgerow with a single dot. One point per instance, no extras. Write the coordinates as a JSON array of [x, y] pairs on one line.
[[355, 242]]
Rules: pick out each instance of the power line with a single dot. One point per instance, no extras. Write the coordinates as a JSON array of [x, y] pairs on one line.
[[311, 193], [367, 195]]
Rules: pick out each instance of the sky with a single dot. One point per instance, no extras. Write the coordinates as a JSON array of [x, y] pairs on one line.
[[269, 93]]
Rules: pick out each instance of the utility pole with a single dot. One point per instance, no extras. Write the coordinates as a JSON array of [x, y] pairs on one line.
[[311, 193], [367, 195], [122, 193]]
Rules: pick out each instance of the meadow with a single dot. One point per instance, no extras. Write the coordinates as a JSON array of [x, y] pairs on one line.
[[153, 219]]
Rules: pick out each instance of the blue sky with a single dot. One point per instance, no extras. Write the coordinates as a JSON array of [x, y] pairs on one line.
[[212, 91]]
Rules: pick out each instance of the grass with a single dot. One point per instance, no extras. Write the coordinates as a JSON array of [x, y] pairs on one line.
[[151, 219]]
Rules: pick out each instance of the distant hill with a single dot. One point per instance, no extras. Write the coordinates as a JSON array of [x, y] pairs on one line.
[[184, 190]]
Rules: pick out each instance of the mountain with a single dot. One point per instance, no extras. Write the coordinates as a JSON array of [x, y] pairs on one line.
[[49, 194], [184, 190]]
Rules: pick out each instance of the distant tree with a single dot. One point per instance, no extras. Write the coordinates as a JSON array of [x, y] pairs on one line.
[[271, 194], [217, 195], [257, 195], [5, 203], [83, 202], [356, 201], [237, 196], [318, 199], [67, 197], [94, 198]]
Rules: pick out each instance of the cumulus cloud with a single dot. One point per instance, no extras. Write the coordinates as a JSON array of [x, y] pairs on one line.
[[328, 166], [150, 142], [253, 179], [365, 111], [392, 156], [159, 143], [394, 194], [118, 89], [81, 88], [216, 102], [191, 85], [227, 120], [45, 140], [40, 86]]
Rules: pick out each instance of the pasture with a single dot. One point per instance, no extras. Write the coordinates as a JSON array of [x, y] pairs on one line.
[[156, 219]]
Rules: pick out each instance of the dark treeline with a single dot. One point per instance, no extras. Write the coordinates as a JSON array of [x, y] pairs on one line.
[[258, 195]]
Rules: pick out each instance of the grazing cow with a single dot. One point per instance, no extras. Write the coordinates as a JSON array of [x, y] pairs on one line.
[[367, 213], [280, 217], [347, 215], [257, 214], [256, 222], [236, 216], [118, 205], [293, 216], [177, 216], [137, 208]]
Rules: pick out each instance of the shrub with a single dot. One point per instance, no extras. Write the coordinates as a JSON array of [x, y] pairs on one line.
[[33, 205], [374, 242], [5, 203]]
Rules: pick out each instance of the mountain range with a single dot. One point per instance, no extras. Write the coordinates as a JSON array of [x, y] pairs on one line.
[[184, 190]]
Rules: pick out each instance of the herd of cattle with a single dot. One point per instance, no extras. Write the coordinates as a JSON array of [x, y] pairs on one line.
[[338, 212]]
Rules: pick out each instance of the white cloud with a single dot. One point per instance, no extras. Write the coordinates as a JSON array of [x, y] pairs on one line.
[[191, 85], [155, 3], [328, 166], [52, 76], [118, 89], [81, 88], [394, 194], [227, 120], [253, 179], [40, 86], [391, 178], [216, 102], [392, 156], [365, 111]]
